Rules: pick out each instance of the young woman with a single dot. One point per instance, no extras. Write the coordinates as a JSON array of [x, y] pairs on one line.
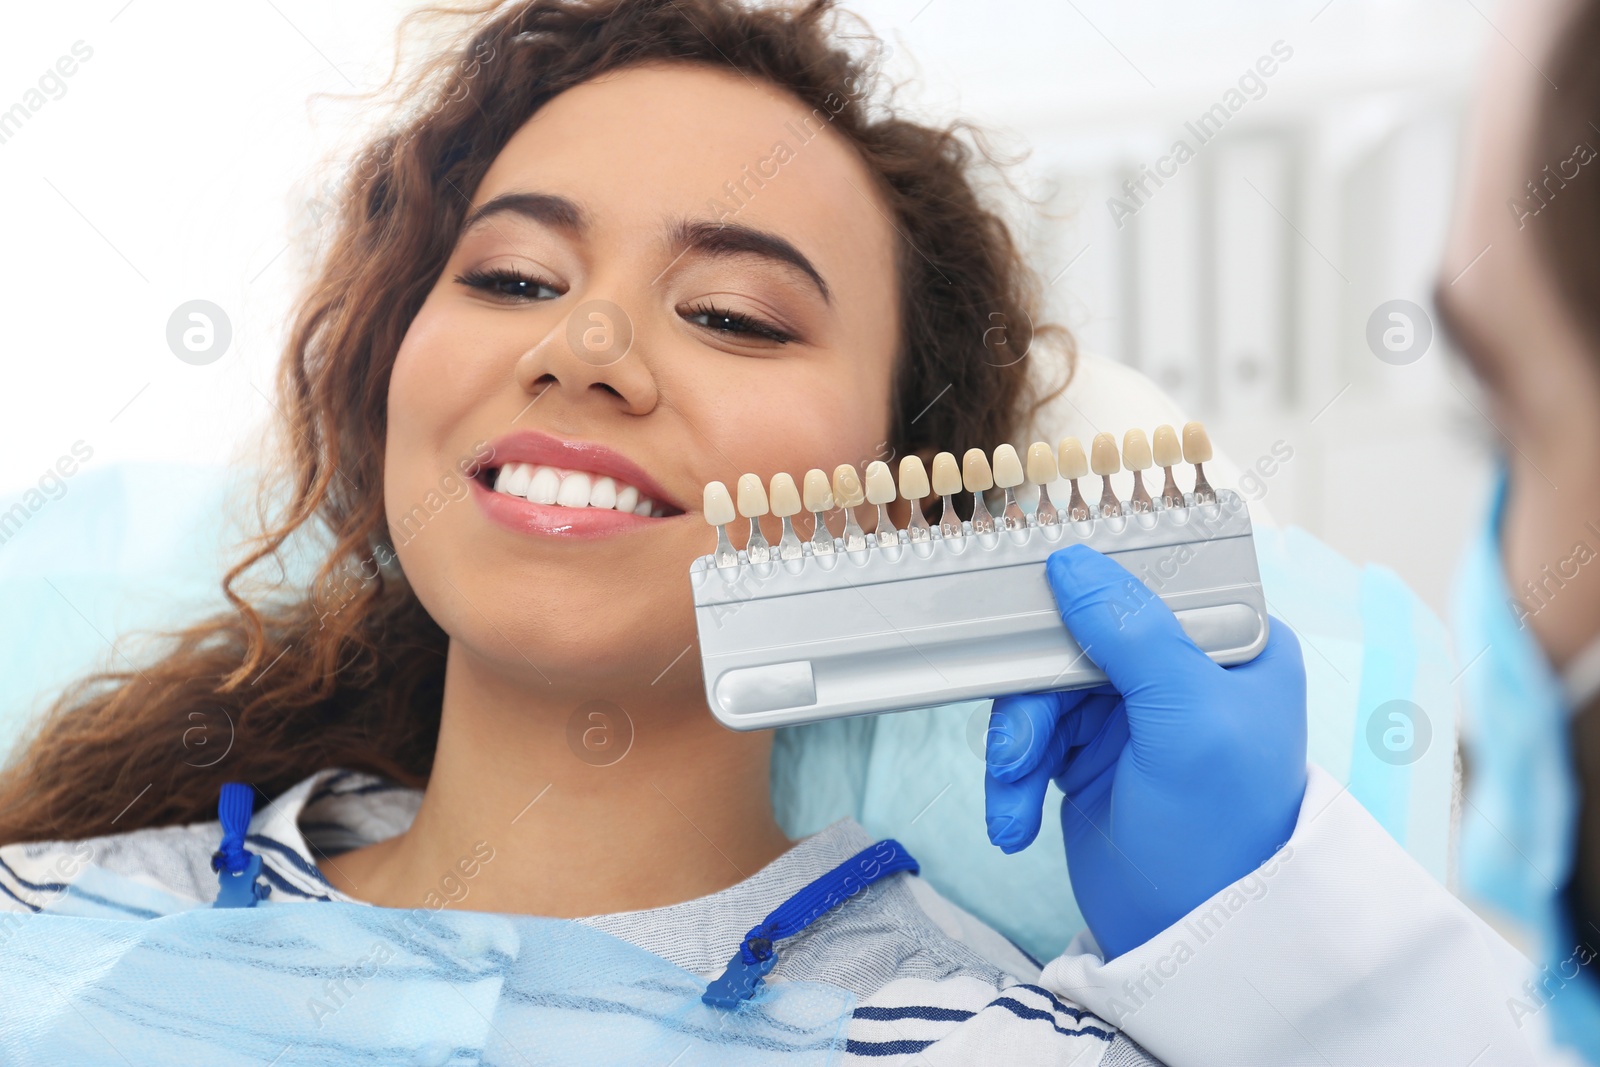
[[781, 278]]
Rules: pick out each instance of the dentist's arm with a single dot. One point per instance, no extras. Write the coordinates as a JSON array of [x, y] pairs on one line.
[[1244, 908]]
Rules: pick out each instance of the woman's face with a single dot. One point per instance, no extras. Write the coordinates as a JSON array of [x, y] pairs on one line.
[[669, 275]]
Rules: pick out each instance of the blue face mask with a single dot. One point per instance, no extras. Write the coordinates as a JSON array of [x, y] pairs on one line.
[[1519, 823]]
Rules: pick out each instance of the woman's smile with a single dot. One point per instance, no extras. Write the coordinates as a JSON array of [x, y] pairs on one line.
[[539, 484]]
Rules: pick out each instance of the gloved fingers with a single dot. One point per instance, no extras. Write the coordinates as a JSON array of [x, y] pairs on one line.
[[1093, 758], [1123, 628], [1015, 810], [1083, 723], [1020, 729]]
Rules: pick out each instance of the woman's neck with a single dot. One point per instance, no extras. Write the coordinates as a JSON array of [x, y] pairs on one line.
[[588, 804]]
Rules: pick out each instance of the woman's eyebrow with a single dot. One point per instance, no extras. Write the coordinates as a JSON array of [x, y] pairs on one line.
[[552, 210], [732, 239]]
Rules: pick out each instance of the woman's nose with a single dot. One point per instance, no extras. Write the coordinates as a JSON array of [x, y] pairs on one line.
[[594, 350]]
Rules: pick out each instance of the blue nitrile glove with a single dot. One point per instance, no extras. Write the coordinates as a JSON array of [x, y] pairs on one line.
[[1180, 776]]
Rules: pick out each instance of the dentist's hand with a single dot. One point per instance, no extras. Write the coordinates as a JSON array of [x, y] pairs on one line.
[[1180, 776]]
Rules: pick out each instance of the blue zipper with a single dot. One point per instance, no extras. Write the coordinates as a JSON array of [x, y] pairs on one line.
[[758, 954], [237, 867]]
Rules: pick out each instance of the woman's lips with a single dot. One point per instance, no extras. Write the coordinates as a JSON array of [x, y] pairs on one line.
[[541, 449], [555, 520]]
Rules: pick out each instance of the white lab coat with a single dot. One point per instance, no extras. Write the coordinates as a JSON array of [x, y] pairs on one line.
[[1341, 950]]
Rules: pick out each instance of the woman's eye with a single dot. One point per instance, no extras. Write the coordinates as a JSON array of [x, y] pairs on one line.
[[509, 284], [732, 322]]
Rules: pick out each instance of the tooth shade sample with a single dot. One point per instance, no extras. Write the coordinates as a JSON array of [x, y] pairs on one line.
[[1007, 467], [847, 491], [975, 473], [946, 474], [1196, 444], [880, 483], [752, 496], [1136, 451], [1041, 464], [913, 478], [1103, 460], [819, 496], [718, 505], [1073, 461], [785, 497], [1168, 452], [575, 490]]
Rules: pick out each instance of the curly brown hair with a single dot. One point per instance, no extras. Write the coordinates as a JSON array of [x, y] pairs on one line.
[[361, 687]]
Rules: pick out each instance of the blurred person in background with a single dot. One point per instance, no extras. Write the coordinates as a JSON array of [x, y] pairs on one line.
[[1519, 292]]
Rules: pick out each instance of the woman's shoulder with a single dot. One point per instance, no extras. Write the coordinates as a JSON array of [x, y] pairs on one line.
[[163, 869], [168, 862]]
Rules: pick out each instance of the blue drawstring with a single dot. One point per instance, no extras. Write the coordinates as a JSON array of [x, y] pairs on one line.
[[237, 867], [757, 954]]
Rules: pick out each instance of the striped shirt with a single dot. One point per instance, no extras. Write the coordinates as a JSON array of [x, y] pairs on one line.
[[932, 984]]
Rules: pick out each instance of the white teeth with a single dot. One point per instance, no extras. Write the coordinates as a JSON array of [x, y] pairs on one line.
[[572, 489], [544, 487], [575, 489], [517, 481]]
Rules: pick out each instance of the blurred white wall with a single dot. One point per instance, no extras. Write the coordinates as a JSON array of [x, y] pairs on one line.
[[175, 163]]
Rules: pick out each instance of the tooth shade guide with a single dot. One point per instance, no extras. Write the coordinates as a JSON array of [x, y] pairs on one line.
[[880, 492], [717, 507], [1197, 450], [784, 498], [1008, 475], [821, 535], [977, 478], [1196, 443], [917, 528], [1165, 448], [800, 624], [914, 486], [752, 500], [752, 496], [1041, 471], [818, 498], [1171, 495], [1071, 460], [1136, 457], [1203, 493], [847, 494], [1045, 513], [947, 483], [1077, 507], [976, 472], [1104, 461], [1007, 467]]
